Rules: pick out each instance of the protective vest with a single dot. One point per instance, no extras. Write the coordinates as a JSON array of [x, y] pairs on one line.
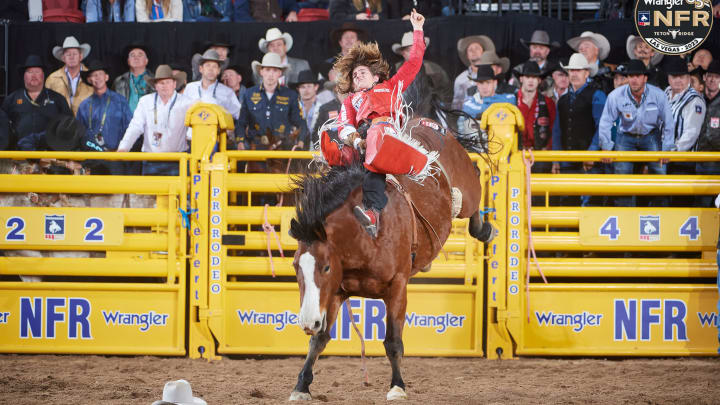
[[576, 120], [709, 139]]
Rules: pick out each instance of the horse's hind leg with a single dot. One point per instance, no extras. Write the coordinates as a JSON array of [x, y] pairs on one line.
[[396, 305], [317, 345], [481, 230]]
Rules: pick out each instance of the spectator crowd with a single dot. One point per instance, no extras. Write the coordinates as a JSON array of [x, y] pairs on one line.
[[651, 102]]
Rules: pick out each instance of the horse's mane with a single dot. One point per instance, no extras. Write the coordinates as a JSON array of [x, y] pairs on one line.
[[317, 196]]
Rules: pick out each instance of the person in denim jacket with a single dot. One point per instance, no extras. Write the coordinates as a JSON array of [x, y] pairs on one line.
[[107, 11], [207, 10]]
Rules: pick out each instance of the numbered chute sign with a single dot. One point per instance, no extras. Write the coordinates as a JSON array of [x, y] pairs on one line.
[[649, 226], [61, 226]]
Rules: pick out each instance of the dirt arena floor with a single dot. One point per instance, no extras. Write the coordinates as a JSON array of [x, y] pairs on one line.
[[46, 379]]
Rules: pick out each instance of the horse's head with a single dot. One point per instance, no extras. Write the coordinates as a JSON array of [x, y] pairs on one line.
[[319, 276]]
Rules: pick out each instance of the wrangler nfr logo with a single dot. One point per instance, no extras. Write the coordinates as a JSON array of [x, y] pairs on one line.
[[673, 27]]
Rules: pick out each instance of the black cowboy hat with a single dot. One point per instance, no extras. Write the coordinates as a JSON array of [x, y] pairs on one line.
[[348, 26], [485, 72], [621, 70], [64, 133], [636, 67], [221, 39], [305, 76], [136, 45], [557, 66], [530, 68], [676, 66], [714, 67], [31, 61], [92, 66]]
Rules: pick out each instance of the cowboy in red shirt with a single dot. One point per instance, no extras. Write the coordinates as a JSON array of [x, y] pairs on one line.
[[363, 73], [538, 111]]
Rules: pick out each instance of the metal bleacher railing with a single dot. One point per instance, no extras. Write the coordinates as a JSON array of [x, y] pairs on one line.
[[568, 10]]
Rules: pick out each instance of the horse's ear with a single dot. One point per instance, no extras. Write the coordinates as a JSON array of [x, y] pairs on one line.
[[294, 228], [320, 233]]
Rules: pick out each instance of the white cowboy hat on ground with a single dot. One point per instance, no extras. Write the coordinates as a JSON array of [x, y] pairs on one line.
[[407, 40], [269, 60], [578, 61], [632, 40], [273, 34], [178, 393], [598, 39], [71, 42]]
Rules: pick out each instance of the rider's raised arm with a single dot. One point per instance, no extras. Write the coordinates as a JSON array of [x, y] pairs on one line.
[[411, 67]]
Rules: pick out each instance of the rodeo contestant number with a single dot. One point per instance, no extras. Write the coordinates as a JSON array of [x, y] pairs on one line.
[[57, 227], [690, 228]]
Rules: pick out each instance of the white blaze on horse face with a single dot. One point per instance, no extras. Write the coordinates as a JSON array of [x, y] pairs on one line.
[[310, 316]]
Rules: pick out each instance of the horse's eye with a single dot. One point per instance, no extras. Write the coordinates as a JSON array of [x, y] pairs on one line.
[[326, 269]]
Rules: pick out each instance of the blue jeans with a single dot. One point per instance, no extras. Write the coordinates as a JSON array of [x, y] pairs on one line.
[[649, 142], [706, 169], [160, 168], [718, 304]]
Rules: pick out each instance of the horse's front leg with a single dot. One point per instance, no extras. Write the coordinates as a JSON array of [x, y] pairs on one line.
[[317, 345], [396, 305]]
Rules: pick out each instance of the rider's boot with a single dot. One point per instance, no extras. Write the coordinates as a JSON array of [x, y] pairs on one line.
[[369, 218]]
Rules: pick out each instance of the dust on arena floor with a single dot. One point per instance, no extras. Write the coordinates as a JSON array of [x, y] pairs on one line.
[[34, 379]]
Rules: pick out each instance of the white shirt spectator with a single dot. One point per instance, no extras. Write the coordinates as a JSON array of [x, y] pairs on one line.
[[162, 124], [688, 111], [216, 93]]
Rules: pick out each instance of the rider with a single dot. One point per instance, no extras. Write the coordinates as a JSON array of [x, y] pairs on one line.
[[363, 73]]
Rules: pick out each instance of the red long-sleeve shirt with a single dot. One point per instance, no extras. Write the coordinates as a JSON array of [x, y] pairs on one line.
[[377, 101], [530, 113]]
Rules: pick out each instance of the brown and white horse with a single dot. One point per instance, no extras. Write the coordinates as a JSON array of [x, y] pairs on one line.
[[337, 259]]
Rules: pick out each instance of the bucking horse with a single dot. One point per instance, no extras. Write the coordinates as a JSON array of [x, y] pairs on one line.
[[337, 259]]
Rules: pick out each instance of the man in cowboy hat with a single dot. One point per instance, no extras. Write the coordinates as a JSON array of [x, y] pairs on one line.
[[438, 79], [106, 114], [646, 123], [637, 48], [270, 111], [702, 58], [539, 47], [66, 80], [133, 84], [688, 114], [31, 107], [345, 37], [209, 89], [280, 43], [560, 81], [578, 115], [486, 82], [160, 119], [709, 138], [470, 49], [221, 44], [307, 87], [232, 77], [538, 111], [500, 66]]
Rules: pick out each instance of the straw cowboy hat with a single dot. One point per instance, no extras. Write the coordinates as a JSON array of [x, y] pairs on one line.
[[269, 60], [632, 40], [463, 44], [164, 72], [178, 393], [273, 34], [578, 61], [598, 39], [407, 40], [71, 42], [491, 58], [540, 37]]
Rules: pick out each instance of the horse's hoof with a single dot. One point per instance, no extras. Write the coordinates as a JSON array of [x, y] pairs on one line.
[[301, 396], [396, 393]]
